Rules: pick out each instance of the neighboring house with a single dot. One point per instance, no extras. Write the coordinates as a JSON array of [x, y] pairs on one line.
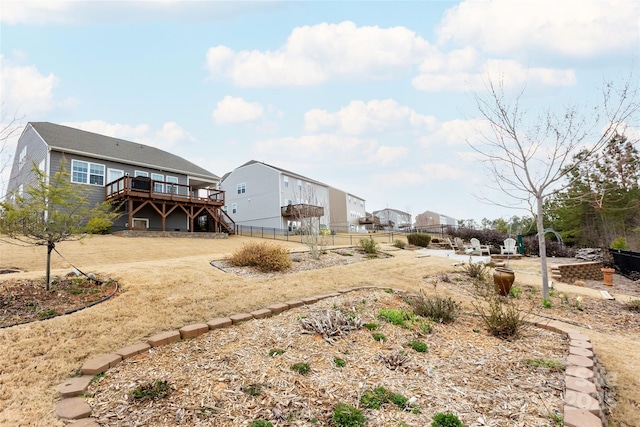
[[431, 219], [156, 190], [347, 212], [262, 195], [393, 219]]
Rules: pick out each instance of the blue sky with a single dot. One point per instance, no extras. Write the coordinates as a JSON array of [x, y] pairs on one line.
[[374, 98]]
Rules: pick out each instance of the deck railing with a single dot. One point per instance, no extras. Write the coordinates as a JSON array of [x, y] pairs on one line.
[[149, 188]]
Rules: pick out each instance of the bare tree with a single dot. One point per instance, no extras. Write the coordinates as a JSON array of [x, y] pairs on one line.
[[528, 157]]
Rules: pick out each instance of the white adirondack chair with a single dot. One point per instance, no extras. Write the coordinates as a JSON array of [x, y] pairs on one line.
[[478, 248], [509, 247]]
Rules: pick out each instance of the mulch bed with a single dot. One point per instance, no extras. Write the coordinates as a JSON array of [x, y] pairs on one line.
[[28, 300]]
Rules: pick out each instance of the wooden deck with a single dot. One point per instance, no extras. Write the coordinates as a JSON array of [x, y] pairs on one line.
[[166, 197]]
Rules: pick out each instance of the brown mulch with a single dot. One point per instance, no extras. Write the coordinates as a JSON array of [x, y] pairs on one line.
[[233, 376], [28, 300]]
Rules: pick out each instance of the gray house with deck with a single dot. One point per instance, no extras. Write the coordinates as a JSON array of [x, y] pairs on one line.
[[154, 189]]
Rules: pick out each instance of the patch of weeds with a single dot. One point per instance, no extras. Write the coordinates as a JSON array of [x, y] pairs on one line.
[[347, 416], [371, 326], [425, 327], [388, 291], [314, 420], [340, 363], [446, 419], [546, 303], [252, 389], [552, 292], [418, 346], [399, 400], [98, 377], [375, 398], [396, 317], [301, 368], [378, 336], [47, 313], [477, 270], [276, 352], [556, 419], [151, 391], [553, 365], [437, 308], [331, 323], [261, 423], [515, 292], [633, 305]]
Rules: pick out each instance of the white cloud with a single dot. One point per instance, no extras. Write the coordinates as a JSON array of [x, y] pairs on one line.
[[510, 72], [85, 12], [314, 54], [374, 116], [24, 89], [386, 155], [236, 110], [563, 27], [443, 172]]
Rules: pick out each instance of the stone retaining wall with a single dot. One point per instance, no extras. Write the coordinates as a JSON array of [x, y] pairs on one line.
[[569, 273]]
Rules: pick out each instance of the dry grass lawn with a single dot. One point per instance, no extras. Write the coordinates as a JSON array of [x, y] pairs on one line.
[[169, 283]]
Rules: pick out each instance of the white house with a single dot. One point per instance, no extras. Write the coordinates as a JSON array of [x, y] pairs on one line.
[[262, 195], [393, 219]]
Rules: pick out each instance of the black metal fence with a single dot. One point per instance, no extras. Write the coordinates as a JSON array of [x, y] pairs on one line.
[[628, 262]]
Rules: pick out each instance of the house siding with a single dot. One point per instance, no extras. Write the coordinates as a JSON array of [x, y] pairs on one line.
[[36, 152], [266, 193]]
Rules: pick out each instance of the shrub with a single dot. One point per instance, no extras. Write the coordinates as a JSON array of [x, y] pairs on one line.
[[340, 363], [265, 257], [98, 226], [347, 416], [399, 244], [500, 315], [369, 245], [619, 243], [438, 309], [276, 352], [261, 423], [419, 239], [446, 419]]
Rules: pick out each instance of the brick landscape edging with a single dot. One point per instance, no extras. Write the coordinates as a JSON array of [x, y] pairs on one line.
[[584, 378]]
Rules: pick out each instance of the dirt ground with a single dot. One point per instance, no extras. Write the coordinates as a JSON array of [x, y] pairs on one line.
[[169, 283]]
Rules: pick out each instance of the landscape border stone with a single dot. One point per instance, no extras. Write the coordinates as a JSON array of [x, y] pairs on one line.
[[583, 391]]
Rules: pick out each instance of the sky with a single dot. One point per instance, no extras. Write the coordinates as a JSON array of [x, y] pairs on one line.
[[374, 98]]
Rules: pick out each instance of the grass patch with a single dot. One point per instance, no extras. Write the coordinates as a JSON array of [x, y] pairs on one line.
[[553, 365], [347, 416], [276, 352], [418, 346], [301, 368], [396, 317]]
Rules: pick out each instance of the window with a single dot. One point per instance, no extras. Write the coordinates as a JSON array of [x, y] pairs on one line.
[[142, 173], [299, 185], [87, 173], [158, 187], [172, 180], [234, 208], [224, 208], [23, 157], [113, 174], [286, 181], [242, 188]]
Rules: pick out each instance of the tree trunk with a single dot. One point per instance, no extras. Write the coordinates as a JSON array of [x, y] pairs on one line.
[[50, 247], [542, 246]]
